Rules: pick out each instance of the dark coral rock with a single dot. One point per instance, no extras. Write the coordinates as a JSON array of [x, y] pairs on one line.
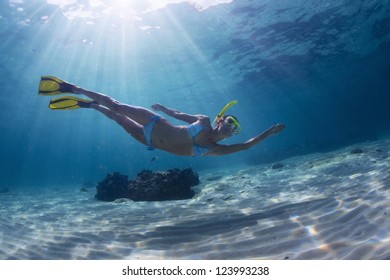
[[112, 187], [357, 151], [171, 185], [277, 165], [149, 186]]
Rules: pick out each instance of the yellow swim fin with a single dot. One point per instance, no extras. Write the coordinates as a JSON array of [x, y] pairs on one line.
[[50, 85], [70, 103]]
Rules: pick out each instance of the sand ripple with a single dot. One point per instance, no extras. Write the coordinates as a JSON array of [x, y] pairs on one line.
[[323, 206]]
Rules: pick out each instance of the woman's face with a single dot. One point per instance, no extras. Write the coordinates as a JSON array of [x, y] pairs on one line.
[[226, 127]]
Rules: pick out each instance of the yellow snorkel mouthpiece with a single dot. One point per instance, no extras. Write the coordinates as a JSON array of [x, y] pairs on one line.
[[227, 106]]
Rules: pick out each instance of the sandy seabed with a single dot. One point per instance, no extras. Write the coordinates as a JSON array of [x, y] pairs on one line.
[[333, 205]]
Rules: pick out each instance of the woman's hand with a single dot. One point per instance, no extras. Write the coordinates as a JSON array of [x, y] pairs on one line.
[[277, 128], [157, 107]]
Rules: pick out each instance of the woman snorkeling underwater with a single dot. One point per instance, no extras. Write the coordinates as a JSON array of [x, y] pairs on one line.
[[198, 138]]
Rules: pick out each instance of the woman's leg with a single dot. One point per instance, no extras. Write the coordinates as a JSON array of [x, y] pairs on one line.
[[132, 127], [141, 115]]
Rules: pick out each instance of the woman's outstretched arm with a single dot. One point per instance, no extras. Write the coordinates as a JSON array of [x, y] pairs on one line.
[[229, 149], [177, 114]]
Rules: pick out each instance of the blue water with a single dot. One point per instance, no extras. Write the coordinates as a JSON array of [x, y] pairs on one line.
[[320, 67]]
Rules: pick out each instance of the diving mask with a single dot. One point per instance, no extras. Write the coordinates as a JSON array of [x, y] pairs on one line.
[[232, 121]]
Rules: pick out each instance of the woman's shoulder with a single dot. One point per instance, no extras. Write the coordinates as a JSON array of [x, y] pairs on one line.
[[203, 119]]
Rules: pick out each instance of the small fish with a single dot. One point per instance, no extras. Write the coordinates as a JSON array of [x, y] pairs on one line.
[[154, 159]]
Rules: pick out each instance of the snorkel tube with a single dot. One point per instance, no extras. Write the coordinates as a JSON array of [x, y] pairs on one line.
[[220, 115]]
